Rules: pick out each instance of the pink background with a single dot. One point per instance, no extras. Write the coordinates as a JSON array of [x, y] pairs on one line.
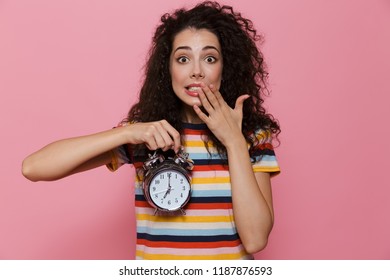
[[69, 68]]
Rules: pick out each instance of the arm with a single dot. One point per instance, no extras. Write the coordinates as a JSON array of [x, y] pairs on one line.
[[251, 193], [252, 199], [68, 156]]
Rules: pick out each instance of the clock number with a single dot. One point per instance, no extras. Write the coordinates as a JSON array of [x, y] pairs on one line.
[[161, 176], [184, 188], [169, 202], [176, 200], [157, 182]]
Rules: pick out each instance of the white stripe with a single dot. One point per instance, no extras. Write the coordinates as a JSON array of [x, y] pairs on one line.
[[192, 212], [210, 174], [207, 187]]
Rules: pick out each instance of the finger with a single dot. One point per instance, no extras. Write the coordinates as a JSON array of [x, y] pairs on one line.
[[150, 135], [205, 101], [217, 94], [151, 144], [173, 134], [240, 102], [210, 96], [163, 139], [200, 114], [155, 136]]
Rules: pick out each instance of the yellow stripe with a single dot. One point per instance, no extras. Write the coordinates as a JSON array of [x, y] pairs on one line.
[[263, 134], [215, 180], [113, 165], [266, 169], [185, 219], [194, 143], [189, 257]]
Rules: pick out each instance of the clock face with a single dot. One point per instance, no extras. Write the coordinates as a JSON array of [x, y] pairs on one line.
[[169, 189]]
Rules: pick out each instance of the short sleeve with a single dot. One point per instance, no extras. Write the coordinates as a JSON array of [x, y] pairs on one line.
[[120, 155], [262, 154]]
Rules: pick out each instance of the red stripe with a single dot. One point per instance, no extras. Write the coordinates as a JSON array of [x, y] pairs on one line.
[[216, 167], [142, 204], [195, 206], [265, 146], [188, 131], [138, 164]]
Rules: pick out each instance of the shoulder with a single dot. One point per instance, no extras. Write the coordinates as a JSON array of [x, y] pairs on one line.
[[262, 152], [260, 136]]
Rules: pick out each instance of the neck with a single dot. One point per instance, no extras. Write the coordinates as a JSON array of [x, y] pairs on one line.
[[189, 115]]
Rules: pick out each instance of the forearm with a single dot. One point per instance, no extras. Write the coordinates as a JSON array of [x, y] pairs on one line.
[[61, 158], [252, 208]]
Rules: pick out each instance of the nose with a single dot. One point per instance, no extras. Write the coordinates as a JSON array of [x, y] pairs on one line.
[[197, 71]]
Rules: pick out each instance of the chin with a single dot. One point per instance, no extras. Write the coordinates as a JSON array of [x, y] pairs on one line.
[[192, 101]]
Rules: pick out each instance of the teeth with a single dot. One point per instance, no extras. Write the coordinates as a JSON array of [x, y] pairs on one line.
[[193, 88]]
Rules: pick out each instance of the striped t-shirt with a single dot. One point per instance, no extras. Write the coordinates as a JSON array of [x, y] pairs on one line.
[[207, 230]]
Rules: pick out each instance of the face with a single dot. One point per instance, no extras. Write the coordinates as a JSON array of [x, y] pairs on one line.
[[196, 57]]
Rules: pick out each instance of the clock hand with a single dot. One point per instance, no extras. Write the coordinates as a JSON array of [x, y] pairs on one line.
[[160, 191], [169, 186], [166, 190]]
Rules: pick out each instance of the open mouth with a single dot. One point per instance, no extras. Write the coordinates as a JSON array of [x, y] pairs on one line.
[[192, 91], [192, 88]]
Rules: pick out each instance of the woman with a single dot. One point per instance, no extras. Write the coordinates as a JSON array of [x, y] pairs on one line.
[[203, 93]]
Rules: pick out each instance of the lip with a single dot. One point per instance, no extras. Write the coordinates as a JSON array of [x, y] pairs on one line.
[[193, 93]]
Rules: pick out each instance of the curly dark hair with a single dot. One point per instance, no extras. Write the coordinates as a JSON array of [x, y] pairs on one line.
[[244, 70]]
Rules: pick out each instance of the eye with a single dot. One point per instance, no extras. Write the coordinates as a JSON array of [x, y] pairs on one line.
[[182, 59], [211, 59]]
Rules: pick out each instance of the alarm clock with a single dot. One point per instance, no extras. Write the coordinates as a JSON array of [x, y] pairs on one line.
[[167, 182]]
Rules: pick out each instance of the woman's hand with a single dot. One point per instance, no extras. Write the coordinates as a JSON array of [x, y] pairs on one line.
[[155, 135], [223, 121], [68, 156]]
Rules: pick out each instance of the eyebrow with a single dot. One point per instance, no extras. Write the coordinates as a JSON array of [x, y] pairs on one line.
[[203, 49]]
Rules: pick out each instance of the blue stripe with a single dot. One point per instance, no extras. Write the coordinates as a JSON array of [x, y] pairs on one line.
[[211, 199], [210, 162], [202, 199], [195, 156], [198, 193], [139, 191], [178, 238], [195, 126], [206, 193], [266, 158]]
